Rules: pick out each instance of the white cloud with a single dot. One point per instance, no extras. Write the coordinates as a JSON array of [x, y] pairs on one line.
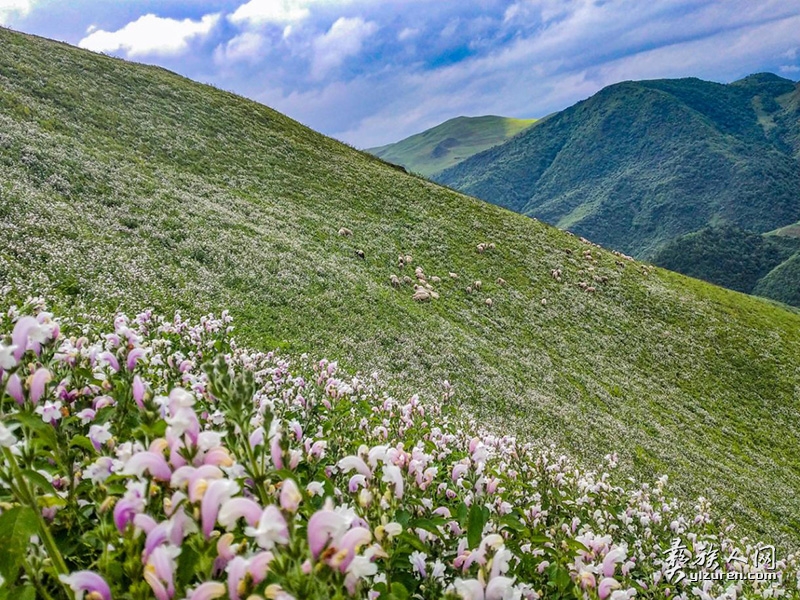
[[247, 47], [14, 8], [150, 35], [345, 38], [279, 12], [407, 33]]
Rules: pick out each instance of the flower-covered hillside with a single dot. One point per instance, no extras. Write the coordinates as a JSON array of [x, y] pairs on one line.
[[156, 458], [124, 186]]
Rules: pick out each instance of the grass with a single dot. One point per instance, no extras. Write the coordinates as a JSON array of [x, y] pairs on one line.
[[451, 142], [126, 186]]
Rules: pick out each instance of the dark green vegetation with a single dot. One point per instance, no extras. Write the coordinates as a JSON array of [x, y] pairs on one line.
[[124, 186], [731, 257], [641, 164], [445, 145]]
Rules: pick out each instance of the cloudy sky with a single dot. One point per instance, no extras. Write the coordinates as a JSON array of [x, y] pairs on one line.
[[372, 72]]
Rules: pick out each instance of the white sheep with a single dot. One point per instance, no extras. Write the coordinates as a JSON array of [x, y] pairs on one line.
[[421, 295], [408, 260], [544, 301], [435, 279], [419, 273], [453, 275], [469, 289], [481, 248], [345, 232], [500, 281], [395, 281], [477, 284], [488, 302], [407, 280]]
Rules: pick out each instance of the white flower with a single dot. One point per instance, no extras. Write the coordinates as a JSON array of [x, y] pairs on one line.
[[392, 529], [51, 411], [417, 560], [438, 569], [315, 488], [7, 438], [7, 360], [100, 434]]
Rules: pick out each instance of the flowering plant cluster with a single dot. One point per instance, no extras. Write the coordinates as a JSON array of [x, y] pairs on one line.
[[159, 459]]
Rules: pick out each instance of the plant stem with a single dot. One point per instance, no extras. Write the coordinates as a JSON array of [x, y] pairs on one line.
[[29, 498]]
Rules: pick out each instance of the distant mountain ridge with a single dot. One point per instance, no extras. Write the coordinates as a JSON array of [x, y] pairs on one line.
[[643, 163], [447, 144]]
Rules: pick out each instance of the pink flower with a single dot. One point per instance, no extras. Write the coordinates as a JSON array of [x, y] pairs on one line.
[[617, 555], [348, 463], [133, 356], [218, 492], [110, 359], [236, 508], [290, 497], [138, 391], [14, 389], [153, 463], [37, 384], [606, 586], [159, 572], [322, 526], [207, 591], [81, 582], [276, 452], [349, 545], [19, 336], [459, 470]]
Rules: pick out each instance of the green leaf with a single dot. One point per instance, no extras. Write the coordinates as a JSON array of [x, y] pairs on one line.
[[84, 443], [402, 516], [477, 521], [17, 525], [427, 524], [512, 523], [399, 592], [39, 481], [45, 431]]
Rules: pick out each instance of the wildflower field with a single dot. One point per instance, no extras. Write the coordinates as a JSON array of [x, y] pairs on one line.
[[155, 457], [125, 188]]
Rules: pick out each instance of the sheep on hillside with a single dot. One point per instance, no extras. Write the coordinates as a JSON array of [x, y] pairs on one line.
[[500, 281], [488, 302], [453, 275], [421, 295], [344, 231]]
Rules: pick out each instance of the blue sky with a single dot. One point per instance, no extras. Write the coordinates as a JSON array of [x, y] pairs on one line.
[[372, 72]]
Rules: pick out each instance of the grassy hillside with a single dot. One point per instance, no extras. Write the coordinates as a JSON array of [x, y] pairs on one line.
[[730, 257], [124, 186], [445, 145], [642, 163]]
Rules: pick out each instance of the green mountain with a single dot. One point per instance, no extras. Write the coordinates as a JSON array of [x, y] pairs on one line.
[[731, 257], [642, 163], [449, 143], [124, 186]]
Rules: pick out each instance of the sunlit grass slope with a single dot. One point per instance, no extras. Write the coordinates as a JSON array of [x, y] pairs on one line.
[[128, 186], [447, 144]]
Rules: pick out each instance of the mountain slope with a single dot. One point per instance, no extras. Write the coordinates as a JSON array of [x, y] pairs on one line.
[[641, 163], [728, 256], [447, 144], [124, 186]]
